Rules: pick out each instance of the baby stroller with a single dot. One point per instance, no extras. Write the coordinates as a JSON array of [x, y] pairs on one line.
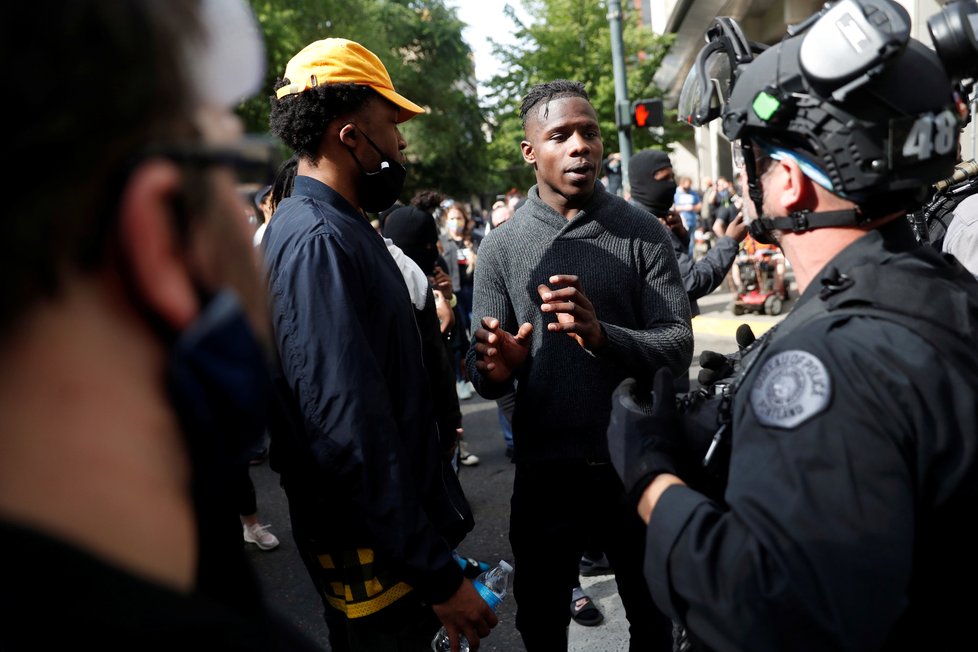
[[761, 289]]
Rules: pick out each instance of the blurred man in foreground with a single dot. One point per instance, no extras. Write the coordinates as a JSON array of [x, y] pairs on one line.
[[133, 331]]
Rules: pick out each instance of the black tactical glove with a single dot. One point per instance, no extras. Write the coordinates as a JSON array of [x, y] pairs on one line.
[[644, 440], [715, 367]]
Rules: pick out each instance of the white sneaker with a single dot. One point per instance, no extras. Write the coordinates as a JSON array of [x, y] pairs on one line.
[[259, 535], [462, 388], [465, 457]]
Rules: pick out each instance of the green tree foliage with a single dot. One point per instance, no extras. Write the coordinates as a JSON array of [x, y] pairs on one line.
[[420, 43], [570, 39]]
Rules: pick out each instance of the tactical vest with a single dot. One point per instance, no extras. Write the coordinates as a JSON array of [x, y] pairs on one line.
[[931, 222], [883, 292]]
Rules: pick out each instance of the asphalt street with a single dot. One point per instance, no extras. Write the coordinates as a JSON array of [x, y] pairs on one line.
[[487, 486]]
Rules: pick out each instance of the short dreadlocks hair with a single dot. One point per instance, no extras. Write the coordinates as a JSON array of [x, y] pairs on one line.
[[301, 119], [548, 91], [427, 200]]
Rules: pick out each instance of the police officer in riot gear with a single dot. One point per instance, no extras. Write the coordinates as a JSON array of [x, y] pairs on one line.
[[852, 426]]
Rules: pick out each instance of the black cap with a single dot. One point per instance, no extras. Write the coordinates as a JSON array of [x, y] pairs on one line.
[[415, 233]]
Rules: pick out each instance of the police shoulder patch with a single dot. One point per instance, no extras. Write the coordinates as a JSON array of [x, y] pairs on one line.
[[791, 387]]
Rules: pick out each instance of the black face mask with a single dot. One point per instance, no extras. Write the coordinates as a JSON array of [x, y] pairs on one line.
[[379, 190], [219, 384], [656, 195], [220, 387]]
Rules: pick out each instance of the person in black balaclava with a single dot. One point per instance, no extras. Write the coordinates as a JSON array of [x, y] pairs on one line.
[[653, 183], [653, 187]]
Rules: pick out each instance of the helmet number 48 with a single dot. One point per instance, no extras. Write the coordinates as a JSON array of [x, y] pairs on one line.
[[929, 135]]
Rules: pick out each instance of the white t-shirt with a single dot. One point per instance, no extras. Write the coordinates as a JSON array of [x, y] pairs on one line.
[[961, 239], [259, 232], [414, 278]]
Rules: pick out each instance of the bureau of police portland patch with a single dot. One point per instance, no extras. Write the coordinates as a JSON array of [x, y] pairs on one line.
[[790, 388]]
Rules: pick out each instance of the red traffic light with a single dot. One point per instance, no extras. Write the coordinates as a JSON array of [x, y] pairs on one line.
[[647, 113]]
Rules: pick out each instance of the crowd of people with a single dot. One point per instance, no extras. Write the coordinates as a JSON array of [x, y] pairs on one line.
[[812, 492]]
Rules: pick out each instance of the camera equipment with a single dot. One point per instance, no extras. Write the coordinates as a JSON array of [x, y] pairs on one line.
[[953, 32]]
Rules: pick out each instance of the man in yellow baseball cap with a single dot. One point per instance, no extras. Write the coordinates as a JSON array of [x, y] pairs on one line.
[[341, 61], [376, 508]]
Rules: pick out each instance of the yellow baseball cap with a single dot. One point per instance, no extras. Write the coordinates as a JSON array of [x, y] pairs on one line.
[[339, 61]]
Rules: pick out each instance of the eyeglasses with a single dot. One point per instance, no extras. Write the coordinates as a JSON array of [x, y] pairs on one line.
[[247, 158], [737, 155], [742, 153], [760, 150], [808, 166]]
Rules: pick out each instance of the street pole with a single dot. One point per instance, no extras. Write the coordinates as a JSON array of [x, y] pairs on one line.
[[623, 118]]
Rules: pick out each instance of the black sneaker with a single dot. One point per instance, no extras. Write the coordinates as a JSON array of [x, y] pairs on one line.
[[591, 567]]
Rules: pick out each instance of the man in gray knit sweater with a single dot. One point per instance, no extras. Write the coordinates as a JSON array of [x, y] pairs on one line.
[[576, 292]]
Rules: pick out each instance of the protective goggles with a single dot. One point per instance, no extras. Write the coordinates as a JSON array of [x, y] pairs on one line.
[[707, 86]]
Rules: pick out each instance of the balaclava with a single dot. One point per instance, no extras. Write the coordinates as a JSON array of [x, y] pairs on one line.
[[656, 196]]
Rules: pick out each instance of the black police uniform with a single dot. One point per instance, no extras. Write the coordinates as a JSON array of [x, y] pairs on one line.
[[853, 472]]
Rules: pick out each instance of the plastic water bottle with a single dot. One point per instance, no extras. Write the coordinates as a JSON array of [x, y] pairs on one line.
[[493, 586]]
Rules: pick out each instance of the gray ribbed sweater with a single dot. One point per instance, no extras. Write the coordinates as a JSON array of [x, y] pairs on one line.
[[628, 271]]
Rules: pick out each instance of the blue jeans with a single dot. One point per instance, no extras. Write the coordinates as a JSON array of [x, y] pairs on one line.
[[690, 219], [505, 405], [505, 426]]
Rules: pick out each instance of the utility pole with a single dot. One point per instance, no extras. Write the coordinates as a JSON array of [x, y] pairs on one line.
[[623, 118]]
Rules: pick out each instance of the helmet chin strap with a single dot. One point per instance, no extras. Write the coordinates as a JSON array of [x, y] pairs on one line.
[[806, 220], [761, 226]]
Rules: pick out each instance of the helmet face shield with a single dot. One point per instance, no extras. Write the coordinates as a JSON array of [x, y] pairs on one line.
[[707, 86]]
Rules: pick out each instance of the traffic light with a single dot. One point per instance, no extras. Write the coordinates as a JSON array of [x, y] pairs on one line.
[[647, 113]]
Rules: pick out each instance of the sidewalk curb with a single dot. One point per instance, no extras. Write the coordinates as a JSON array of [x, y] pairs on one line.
[[727, 326]]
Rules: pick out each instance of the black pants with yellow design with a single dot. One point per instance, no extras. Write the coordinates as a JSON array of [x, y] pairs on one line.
[[366, 606]]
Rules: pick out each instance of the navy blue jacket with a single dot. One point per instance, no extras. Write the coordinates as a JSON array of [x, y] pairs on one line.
[[350, 355]]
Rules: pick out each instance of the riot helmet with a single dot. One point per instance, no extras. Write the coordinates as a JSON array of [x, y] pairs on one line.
[[865, 111]]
